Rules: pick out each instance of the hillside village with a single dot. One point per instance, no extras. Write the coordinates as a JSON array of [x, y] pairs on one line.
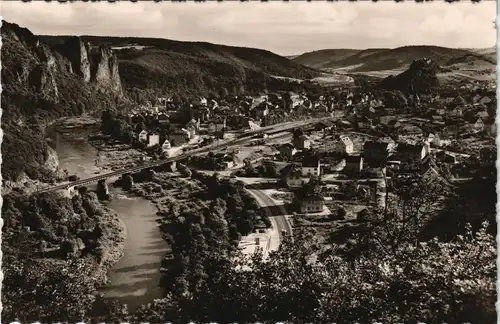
[[245, 186], [364, 139]]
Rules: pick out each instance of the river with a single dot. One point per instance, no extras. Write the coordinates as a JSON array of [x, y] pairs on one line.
[[134, 280]]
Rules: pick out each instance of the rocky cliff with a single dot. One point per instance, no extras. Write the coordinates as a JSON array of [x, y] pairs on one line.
[[42, 83], [77, 52], [32, 65], [97, 66], [420, 77], [105, 71]]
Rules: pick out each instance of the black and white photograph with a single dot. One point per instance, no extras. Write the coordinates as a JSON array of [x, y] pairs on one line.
[[249, 162]]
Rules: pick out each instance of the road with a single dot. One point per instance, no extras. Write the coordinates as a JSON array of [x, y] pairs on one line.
[[280, 221], [245, 137]]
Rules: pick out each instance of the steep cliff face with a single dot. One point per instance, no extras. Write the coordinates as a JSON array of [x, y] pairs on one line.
[[33, 64], [105, 73], [77, 52], [36, 69], [52, 162], [42, 83], [98, 66]]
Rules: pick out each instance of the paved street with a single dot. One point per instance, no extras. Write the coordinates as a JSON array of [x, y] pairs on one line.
[[267, 203]]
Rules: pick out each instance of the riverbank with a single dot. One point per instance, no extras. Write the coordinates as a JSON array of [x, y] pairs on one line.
[[59, 250], [111, 243], [128, 232], [134, 275]]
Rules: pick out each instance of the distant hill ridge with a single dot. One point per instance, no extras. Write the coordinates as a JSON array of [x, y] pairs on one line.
[[381, 59], [194, 67]]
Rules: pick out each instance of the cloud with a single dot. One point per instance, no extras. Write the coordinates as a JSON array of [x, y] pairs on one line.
[[285, 28]]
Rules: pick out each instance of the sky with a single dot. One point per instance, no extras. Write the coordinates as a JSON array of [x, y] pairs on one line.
[[284, 28]]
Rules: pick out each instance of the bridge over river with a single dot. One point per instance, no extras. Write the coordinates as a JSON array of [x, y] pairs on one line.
[[240, 139]]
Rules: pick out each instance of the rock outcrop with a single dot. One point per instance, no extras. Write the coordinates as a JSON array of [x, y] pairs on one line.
[[97, 67], [421, 77], [39, 69], [52, 162], [77, 52], [42, 82], [104, 70]]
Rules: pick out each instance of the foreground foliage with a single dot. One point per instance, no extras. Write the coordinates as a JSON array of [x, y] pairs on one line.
[[433, 282], [56, 251]]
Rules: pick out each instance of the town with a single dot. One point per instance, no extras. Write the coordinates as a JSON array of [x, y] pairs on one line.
[[338, 167], [314, 169]]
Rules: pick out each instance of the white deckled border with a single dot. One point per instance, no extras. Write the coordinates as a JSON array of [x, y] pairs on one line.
[[1, 199], [496, 21]]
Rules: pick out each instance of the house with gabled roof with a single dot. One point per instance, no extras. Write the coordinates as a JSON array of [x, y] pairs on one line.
[[479, 125], [166, 146], [312, 203], [412, 156], [293, 176], [342, 145], [456, 112], [375, 152], [353, 164], [143, 136], [311, 166], [179, 137]]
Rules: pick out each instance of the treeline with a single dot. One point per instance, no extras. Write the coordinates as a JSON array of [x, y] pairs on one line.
[[384, 273]]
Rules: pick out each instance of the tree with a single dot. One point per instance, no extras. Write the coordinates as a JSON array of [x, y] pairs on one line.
[[186, 172], [341, 213], [38, 290], [434, 282], [223, 93]]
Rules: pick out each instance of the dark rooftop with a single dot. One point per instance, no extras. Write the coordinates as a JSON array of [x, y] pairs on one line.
[[310, 162], [353, 159], [371, 145], [409, 148]]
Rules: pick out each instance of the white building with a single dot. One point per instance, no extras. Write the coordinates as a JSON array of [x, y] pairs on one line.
[[343, 145], [166, 146], [153, 139], [434, 140], [311, 167], [143, 136]]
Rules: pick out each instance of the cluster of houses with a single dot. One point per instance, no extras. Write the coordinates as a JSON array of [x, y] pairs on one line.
[[178, 137], [374, 159], [238, 112], [405, 136]]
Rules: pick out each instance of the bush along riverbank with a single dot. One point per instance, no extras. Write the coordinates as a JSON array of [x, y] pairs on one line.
[[57, 251], [201, 215]]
